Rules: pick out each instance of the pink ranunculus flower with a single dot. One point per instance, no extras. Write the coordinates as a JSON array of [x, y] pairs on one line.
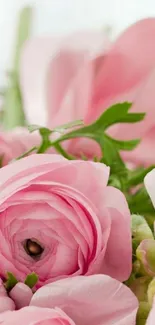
[[59, 218], [78, 79], [15, 143], [36, 316], [93, 300]]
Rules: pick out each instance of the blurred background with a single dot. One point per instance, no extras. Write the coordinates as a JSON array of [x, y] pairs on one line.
[[58, 18], [64, 16]]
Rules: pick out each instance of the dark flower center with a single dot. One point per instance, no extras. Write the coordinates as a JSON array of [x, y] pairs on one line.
[[32, 248]]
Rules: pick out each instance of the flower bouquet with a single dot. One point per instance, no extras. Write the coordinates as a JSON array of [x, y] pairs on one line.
[[77, 187]]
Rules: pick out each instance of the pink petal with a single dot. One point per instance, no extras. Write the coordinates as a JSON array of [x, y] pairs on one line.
[[118, 255], [35, 316], [35, 63], [91, 300], [6, 304], [144, 153], [132, 58], [68, 99], [149, 182]]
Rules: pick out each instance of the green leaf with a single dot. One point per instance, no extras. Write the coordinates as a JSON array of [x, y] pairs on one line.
[[118, 113], [140, 203], [11, 281], [46, 142], [31, 280], [60, 129], [43, 130], [111, 156], [124, 145], [136, 176], [115, 114], [69, 125], [63, 152], [13, 106]]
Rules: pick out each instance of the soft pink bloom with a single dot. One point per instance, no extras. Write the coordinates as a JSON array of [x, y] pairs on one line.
[[79, 77], [77, 223], [35, 316], [16, 142], [93, 300]]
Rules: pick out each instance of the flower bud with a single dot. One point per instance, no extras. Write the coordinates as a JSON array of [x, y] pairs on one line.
[[3, 292], [151, 291], [6, 304], [21, 295], [140, 287], [143, 311], [146, 254], [140, 229]]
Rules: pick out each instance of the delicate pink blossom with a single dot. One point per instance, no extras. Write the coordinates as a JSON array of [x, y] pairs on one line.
[[80, 76], [59, 218]]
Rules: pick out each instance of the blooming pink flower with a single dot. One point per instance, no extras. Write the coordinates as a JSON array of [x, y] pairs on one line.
[[16, 142], [93, 300], [78, 78], [59, 218]]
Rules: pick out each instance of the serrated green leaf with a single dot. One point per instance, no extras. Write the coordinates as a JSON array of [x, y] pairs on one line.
[[11, 281], [69, 125], [124, 145], [133, 118], [61, 128], [31, 280], [113, 115]]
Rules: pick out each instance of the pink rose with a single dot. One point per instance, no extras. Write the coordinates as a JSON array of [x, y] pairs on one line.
[[59, 218], [83, 78], [93, 300], [16, 142]]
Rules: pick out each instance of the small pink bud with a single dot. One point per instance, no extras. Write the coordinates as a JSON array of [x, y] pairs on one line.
[[146, 254], [21, 295], [3, 292], [6, 304]]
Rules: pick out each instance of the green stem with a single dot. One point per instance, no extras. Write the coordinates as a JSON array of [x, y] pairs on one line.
[[63, 152], [13, 106]]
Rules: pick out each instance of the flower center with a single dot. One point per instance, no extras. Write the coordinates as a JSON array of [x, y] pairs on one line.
[[32, 248]]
